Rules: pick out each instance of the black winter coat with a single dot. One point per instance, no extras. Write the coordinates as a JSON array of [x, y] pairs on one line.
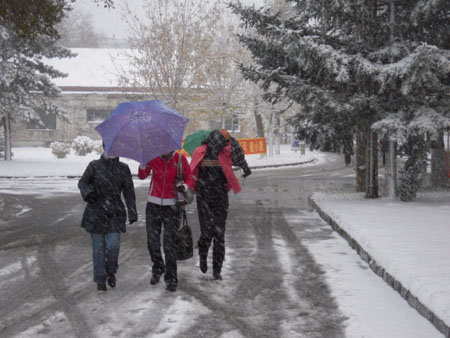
[[108, 178]]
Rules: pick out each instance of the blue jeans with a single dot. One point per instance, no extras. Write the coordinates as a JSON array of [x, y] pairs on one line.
[[105, 254], [156, 217]]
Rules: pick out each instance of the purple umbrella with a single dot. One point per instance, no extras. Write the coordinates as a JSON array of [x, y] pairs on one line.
[[142, 130]]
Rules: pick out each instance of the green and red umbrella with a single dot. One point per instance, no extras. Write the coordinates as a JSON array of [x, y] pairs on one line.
[[194, 140]]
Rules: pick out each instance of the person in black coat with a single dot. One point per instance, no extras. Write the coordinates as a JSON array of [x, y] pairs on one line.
[[212, 197], [101, 186]]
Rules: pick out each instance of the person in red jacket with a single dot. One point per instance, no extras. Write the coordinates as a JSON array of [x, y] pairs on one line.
[[161, 209], [213, 176]]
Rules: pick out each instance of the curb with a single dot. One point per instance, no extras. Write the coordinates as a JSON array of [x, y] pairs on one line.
[[134, 175], [412, 300], [280, 165]]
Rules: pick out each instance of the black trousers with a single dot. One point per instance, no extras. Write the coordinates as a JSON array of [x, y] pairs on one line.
[[212, 209], [156, 216]]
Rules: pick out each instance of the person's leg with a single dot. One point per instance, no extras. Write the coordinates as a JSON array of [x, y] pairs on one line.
[[205, 217], [172, 218], [112, 256], [98, 258], [153, 225], [219, 241], [220, 213]]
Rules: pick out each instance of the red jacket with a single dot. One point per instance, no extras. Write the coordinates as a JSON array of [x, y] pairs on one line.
[[225, 162], [163, 181]]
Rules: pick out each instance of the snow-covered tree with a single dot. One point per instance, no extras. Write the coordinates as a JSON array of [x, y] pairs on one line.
[[31, 18], [350, 64], [414, 169], [77, 30], [227, 94], [416, 78], [307, 57], [25, 80], [170, 47]]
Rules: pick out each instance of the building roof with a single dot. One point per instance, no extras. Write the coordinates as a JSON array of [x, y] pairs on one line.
[[91, 69]]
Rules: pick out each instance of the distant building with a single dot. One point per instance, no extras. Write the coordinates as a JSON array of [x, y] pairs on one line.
[[89, 94]]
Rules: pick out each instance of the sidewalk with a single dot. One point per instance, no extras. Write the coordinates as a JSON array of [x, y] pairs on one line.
[[407, 244]]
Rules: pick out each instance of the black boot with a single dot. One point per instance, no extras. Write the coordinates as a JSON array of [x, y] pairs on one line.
[[171, 287], [111, 280], [101, 286], [203, 263], [155, 277]]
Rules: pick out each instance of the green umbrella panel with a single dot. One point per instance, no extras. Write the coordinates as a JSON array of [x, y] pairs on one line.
[[194, 140]]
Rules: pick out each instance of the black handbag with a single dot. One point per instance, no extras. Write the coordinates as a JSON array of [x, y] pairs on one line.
[[184, 241]]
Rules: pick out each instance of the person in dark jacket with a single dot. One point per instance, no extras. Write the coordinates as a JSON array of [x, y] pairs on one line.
[[348, 151], [101, 186], [161, 210], [213, 175]]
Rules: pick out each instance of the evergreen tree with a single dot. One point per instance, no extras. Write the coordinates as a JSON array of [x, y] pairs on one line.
[[25, 80], [352, 63], [416, 78], [412, 173], [31, 18]]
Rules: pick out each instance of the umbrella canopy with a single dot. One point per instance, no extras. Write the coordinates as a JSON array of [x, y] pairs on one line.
[[193, 140], [142, 130]]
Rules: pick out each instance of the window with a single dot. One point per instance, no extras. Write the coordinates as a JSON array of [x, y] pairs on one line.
[[97, 114], [215, 124], [47, 120], [232, 124]]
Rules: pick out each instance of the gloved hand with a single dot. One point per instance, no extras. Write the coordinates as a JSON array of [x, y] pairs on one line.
[[247, 172], [133, 220], [92, 197], [181, 188]]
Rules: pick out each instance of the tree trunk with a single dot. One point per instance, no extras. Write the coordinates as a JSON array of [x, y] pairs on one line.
[[277, 134], [439, 178], [8, 143], [360, 159], [258, 120], [285, 135], [391, 170], [270, 135], [372, 173]]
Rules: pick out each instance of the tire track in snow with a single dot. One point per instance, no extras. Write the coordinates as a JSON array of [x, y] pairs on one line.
[[54, 279]]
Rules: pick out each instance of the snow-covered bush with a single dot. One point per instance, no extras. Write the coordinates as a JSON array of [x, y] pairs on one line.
[[83, 145], [60, 149], [412, 174]]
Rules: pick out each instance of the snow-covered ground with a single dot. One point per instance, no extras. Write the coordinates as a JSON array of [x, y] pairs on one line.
[[410, 240], [35, 170], [39, 161]]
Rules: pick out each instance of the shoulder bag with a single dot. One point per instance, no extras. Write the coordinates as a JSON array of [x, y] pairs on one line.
[[187, 196]]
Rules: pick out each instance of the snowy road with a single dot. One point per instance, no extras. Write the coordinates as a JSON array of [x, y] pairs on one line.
[[286, 273]]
